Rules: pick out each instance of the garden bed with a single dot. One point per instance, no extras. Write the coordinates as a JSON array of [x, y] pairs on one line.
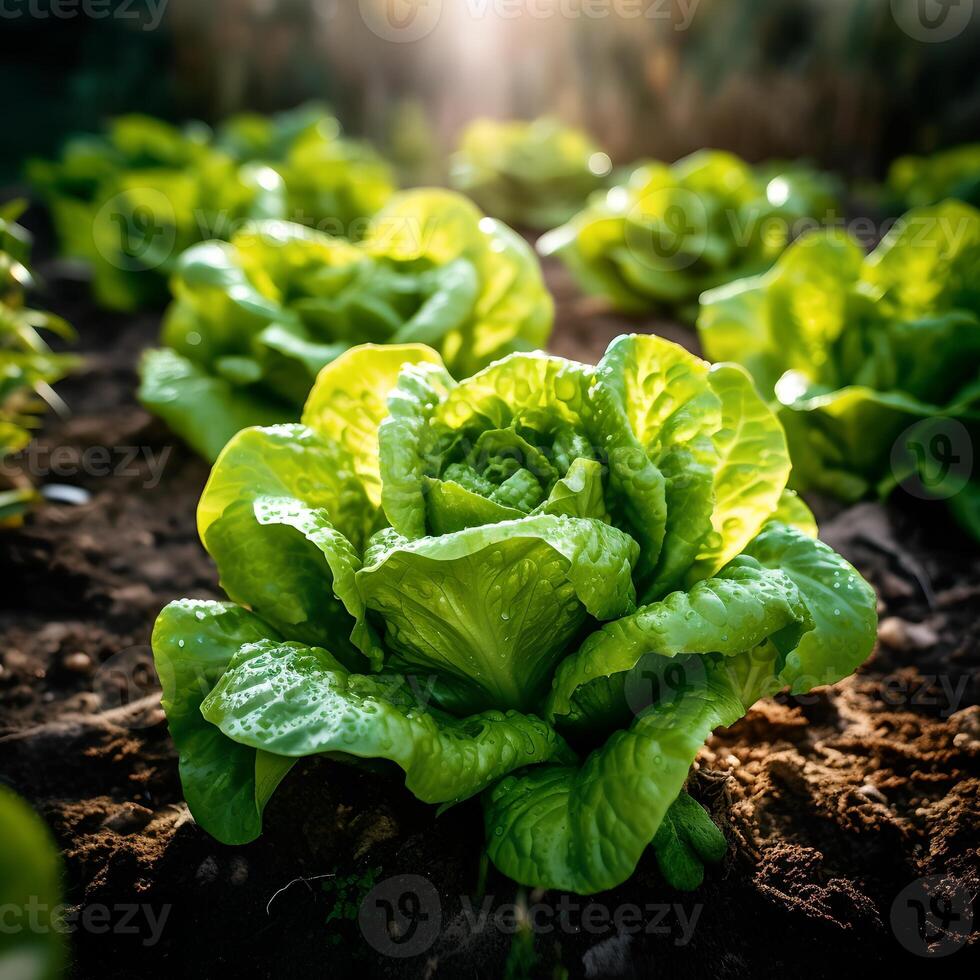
[[836, 804]]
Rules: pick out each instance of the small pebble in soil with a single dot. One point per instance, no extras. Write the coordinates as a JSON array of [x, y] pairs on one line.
[[899, 634], [894, 587], [131, 597], [238, 872], [14, 661], [610, 958], [78, 662], [129, 818], [873, 793], [207, 871], [52, 635], [967, 723], [84, 702], [64, 493]]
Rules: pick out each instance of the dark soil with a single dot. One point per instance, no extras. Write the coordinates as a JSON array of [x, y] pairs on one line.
[[845, 808]]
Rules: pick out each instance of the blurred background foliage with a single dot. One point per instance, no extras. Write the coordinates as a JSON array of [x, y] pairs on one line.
[[845, 83]]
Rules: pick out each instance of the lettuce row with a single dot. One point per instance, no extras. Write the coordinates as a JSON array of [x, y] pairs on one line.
[[462, 581], [254, 319], [857, 349], [530, 174], [28, 367], [129, 201], [664, 234]]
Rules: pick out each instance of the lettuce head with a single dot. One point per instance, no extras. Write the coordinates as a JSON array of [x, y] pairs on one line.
[[530, 174], [658, 239], [546, 583], [129, 201], [874, 360], [253, 320], [920, 181]]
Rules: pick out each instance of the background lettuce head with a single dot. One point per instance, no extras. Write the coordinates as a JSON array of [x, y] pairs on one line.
[[531, 174], [255, 319], [547, 582], [875, 360], [918, 181], [129, 201], [660, 237]]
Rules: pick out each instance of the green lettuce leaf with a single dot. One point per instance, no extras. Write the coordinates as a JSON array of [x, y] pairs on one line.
[[583, 829], [261, 315], [685, 841], [842, 604], [297, 701], [243, 705], [295, 569], [288, 461], [265, 518], [32, 945], [792, 510], [226, 784], [743, 607], [203, 410], [511, 311], [753, 467], [350, 400], [917, 181], [491, 608], [672, 413]]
